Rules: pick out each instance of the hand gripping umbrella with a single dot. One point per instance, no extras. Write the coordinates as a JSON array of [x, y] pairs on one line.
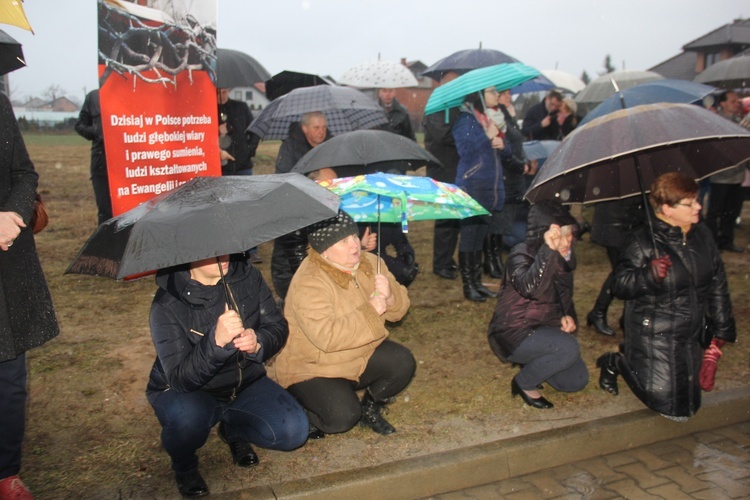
[[400, 198], [205, 217]]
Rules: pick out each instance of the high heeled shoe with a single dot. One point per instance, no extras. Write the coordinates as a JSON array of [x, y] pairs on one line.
[[608, 373], [599, 321], [540, 402]]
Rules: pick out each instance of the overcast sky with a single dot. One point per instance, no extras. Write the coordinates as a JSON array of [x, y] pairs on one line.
[[329, 36]]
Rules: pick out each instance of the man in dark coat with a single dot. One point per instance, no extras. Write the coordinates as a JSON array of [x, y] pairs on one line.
[[27, 317], [398, 116], [238, 117], [540, 123], [89, 126], [304, 135]]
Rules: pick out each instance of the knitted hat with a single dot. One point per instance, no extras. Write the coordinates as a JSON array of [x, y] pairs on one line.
[[324, 234]]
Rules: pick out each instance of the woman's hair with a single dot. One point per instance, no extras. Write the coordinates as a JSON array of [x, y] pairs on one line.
[[476, 99], [670, 188], [571, 104]]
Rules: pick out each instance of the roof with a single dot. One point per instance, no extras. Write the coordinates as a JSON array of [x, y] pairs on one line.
[[680, 67], [735, 33]]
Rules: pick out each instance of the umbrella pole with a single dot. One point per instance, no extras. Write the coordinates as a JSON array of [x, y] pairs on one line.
[[645, 205], [377, 239], [227, 292]]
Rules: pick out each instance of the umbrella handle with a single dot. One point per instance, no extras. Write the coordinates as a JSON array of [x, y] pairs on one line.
[[645, 205], [378, 237], [229, 297]]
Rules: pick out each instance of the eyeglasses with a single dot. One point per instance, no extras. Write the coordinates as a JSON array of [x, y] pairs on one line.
[[491, 91], [692, 204]]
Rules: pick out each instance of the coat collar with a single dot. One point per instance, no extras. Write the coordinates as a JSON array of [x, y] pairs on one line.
[[339, 277]]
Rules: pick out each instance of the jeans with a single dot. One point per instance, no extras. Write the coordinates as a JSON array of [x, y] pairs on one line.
[[333, 403], [263, 414], [553, 356], [12, 414]]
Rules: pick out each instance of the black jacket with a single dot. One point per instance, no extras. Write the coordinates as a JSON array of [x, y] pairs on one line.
[[398, 120], [439, 140], [615, 220], [244, 143], [183, 327], [27, 317], [663, 322], [513, 165], [293, 148], [89, 126], [532, 124], [537, 290]]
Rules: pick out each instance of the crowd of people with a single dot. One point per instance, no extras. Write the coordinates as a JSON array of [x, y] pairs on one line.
[[217, 326]]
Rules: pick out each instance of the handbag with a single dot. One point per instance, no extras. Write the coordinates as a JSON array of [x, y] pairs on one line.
[[39, 217]]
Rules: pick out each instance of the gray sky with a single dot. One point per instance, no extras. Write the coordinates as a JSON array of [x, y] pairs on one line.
[[329, 36]]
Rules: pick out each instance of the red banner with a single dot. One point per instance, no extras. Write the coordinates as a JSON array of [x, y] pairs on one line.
[[158, 103]]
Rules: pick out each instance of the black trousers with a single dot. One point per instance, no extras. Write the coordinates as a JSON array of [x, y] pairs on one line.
[[724, 207], [100, 183], [444, 243], [12, 414], [332, 403]]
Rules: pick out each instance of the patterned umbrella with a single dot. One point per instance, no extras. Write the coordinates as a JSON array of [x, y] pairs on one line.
[[345, 109], [384, 197], [379, 74]]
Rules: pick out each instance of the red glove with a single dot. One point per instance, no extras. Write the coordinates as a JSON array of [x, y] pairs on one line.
[[659, 267]]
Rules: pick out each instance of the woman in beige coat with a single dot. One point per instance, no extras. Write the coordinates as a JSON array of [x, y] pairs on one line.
[[337, 306]]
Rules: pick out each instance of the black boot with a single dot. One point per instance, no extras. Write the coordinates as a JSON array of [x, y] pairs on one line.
[[478, 277], [608, 375], [243, 454], [491, 251], [598, 319], [372, 418], [191, 484], [467, 263]]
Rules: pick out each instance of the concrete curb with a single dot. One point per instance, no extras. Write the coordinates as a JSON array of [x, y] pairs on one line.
[[481, 464]]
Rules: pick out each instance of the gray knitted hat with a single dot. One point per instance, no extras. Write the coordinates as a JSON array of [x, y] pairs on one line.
[[324, 234]]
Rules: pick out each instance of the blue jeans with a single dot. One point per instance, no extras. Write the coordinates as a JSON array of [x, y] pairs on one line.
[[12, 414], [553, 356], [263, 414]]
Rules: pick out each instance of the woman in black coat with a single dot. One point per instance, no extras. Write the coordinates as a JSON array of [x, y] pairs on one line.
[[673, 293], [534, 317], [210, 369], [27, 318]]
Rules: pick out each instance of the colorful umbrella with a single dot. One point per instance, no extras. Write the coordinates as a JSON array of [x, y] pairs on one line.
[[400, 198], [501, 76]]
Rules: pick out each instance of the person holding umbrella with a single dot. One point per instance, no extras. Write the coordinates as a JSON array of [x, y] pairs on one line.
[[337, 306], [673, 281], [214, 324], [534, 319], [481, 148]]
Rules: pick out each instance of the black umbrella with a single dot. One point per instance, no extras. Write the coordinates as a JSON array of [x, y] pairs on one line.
[[237, 69], [464, 61], [286, 81], [601, 160], [11, 55], [205, 217], [369, 151]]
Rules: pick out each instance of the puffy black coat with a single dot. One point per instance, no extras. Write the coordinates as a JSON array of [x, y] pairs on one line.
[[664, 322], [513, 165], [183, 327], [398, 120], [244, 143], [615, 220], [288, 253], [439, 140], [537, 291], [27, 317], [293, 148]]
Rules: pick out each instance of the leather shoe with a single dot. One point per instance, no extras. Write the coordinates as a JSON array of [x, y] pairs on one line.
[[449, 274], [540, 402], [599, 322], [731, 248], [243, 454], [191, 484], [608, 373], [315, 433]]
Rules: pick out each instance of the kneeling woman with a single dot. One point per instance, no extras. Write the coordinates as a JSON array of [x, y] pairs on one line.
[[337, 306], [534, 318]]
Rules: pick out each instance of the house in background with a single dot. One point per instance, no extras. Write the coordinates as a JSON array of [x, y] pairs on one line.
[[47, 113], [720, 44], [254, 97]]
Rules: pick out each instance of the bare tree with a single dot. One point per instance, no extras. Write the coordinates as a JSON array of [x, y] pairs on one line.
[[53, 92]]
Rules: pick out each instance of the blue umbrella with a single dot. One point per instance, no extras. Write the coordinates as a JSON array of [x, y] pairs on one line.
[[537, 150], [464, 61], [501, 76], [539, 84], [678, 91]]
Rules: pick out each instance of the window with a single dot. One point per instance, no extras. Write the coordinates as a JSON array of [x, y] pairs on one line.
[[248, 95], [711, 58]]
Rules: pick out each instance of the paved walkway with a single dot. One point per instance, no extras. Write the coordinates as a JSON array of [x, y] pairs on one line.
[[705, 465]]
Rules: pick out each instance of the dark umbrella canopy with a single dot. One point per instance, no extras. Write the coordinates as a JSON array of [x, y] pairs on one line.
[[205, 217], [11, 55], [667, 90], [237, 69], [345, 109], [286, 81], [597, 161], [371, 150], [464, 61], [728, 74]]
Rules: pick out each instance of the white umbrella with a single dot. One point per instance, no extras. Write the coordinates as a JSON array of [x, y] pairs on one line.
[[379, 74], [564, 80], [728, 74], [601, 88]]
